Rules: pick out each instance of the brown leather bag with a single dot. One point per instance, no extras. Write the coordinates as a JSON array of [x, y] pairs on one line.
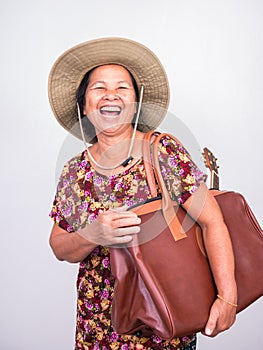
[[164, 284]]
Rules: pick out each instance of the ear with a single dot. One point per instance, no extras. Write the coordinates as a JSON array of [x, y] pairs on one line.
[[84, 111]]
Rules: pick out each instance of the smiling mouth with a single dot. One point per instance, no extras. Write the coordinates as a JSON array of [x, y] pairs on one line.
[[110, 110]]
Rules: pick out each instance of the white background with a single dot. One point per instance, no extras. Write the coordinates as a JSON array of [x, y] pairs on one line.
[[213, 54]]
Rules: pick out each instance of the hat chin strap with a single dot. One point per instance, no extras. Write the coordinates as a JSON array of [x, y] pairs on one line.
[[129, 157]]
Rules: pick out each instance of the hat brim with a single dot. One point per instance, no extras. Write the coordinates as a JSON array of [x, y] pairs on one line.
[[70, 68]]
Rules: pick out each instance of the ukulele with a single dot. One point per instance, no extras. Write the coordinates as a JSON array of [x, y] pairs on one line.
[[210, 163]]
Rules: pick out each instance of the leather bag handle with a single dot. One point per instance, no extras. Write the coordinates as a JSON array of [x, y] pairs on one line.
[[147, 143], [152, 169]]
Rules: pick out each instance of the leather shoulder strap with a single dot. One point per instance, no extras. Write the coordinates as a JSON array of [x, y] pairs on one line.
[[148, 165], [153, 171]]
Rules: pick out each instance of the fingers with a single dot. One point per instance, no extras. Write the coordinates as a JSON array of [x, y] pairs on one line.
[[112, 227], [123, 227], [122, 223], [210, 328], [125, 231], [211, 323], [119, 242], [106, 241], [119, 219]]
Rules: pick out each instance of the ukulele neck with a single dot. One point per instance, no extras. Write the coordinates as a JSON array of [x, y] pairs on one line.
[[214, 180]]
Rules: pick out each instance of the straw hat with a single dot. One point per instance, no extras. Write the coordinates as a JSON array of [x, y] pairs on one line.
[[70, 68]]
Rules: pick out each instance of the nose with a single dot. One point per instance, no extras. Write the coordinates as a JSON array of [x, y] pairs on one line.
[[111, 95]]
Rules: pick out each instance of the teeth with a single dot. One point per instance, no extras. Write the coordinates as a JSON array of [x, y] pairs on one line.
[[111, 109]]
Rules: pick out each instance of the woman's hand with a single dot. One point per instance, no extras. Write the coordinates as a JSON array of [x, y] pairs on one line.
[[222, 317], [113, 227]]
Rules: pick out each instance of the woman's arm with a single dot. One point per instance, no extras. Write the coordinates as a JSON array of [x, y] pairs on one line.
[[113, 227], [204, 209], [69, 246]]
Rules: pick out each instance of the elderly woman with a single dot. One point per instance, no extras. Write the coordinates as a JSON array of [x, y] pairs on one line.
[[109, 92]]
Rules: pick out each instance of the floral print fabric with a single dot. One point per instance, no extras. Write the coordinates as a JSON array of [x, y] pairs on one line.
[[82, 194]]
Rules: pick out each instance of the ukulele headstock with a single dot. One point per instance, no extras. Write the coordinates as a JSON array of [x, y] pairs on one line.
[[210, 160]]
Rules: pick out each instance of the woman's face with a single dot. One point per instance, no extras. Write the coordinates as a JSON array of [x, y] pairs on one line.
[[110, 99]]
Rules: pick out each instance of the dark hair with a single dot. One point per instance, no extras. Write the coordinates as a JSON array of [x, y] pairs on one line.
[[81, 98]]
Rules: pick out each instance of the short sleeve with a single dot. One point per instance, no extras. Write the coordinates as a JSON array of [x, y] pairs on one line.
[[181, 174], [68, 206]]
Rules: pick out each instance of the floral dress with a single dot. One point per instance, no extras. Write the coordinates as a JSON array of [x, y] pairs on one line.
[[82, 194]]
